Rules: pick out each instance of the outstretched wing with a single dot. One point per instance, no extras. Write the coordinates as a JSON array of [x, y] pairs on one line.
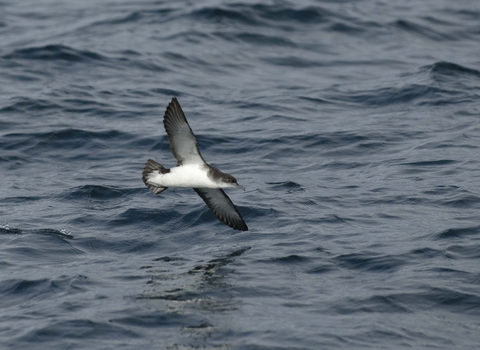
[[222, 207], [182, 140]]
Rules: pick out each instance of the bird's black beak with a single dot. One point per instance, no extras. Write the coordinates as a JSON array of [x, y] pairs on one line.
[[237, 185]]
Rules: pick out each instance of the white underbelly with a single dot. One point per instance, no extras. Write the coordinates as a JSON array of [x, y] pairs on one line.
[[192, 176]]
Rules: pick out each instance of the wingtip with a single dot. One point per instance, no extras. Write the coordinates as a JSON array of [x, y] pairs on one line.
[[239, 226], [173, 108], [245, 228], [174, 101]]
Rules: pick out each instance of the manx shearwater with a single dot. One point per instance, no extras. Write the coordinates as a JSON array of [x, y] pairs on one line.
[[192, 171]]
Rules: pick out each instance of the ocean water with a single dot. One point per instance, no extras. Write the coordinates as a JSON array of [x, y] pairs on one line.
[[353, 125]]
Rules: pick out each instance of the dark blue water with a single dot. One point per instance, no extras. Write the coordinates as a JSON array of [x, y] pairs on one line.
[[354, 126]]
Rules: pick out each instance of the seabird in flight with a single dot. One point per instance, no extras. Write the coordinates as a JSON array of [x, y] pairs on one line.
[[192, 171]]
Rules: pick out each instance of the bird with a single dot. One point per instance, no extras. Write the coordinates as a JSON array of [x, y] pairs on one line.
[[192, 171]]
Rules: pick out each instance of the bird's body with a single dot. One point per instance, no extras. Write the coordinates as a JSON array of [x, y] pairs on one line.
[[188, 175], [192, 171]]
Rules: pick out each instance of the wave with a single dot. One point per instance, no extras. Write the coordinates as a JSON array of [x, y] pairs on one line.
[[66, 143], [66, 56], [433, 85], [55, 52]]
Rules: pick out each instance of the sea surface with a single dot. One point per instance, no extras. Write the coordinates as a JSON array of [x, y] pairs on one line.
[[353, 125]]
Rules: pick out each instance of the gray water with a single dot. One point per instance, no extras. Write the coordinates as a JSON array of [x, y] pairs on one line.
[[354, 126]]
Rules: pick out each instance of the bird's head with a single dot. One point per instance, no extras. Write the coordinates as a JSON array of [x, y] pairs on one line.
[[230, 181]]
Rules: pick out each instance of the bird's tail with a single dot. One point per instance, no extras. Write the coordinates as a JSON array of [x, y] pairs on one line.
[[153, 168]]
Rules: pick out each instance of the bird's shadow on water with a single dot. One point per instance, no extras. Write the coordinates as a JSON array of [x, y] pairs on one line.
[[198, 280], [192, 295]]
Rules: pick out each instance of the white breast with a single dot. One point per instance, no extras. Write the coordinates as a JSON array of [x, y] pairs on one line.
[[192, 176]]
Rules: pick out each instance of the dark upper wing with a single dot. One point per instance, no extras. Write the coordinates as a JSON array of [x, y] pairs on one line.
[[222, 207], [182, 140]]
